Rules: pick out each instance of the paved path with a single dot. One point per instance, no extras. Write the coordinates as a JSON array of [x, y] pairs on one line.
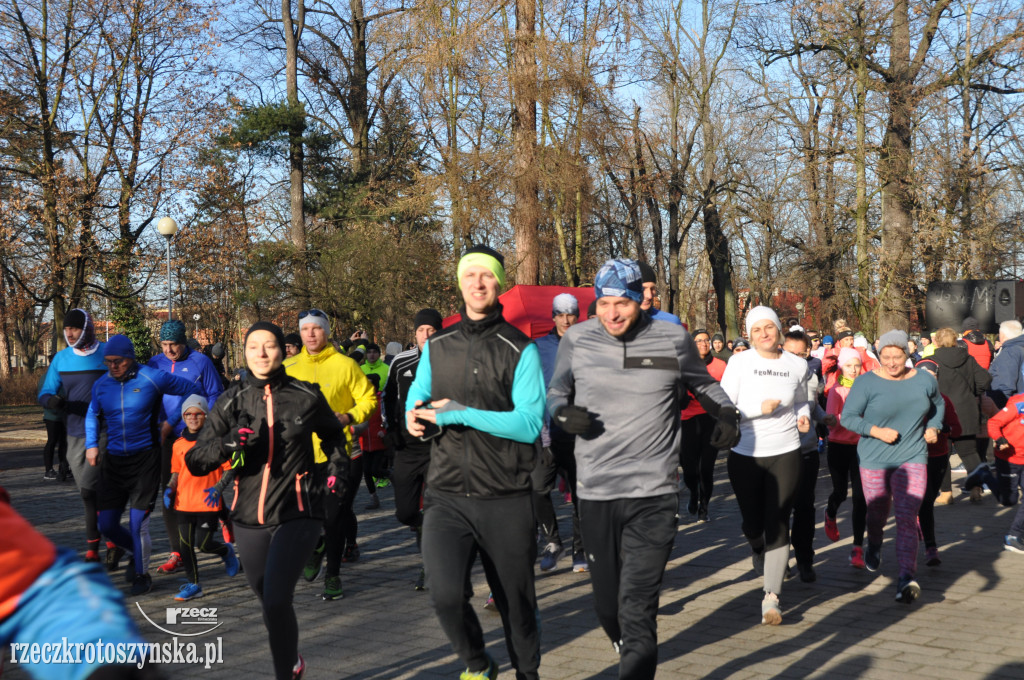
[[966, 625]]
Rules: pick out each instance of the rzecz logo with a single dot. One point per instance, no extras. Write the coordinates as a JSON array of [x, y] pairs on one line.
[[187, 616]]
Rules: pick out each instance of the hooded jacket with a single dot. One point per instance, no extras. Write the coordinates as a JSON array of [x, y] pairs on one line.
[[279, 480], [344, 386], [979, 347], [75, 369], [963, 381], [196, 367]]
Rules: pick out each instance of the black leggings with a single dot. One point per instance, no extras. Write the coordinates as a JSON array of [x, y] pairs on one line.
[[765, 489], [375, 465], [197, 533], [844, 467], [697, 457], [408, 477], [170, 514], [273, 557], [341, 526], [938, 466], [56, 440]]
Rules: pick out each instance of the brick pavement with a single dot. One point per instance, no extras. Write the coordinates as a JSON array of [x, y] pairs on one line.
[[846, 625]]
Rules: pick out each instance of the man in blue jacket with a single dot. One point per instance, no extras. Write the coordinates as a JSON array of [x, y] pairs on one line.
[[1007, 368], [128, 399], [176, 358], [76, 368]]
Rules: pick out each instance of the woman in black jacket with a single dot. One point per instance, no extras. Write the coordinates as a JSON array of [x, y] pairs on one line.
[[963, 381], [263, 425]]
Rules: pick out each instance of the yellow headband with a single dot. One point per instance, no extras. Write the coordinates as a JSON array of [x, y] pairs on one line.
[[483, 260]]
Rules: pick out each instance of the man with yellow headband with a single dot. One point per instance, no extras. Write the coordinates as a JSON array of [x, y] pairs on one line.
[[352, 398], [479, 393]]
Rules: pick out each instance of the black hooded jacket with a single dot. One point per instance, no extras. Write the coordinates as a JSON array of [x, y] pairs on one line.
[[963, 381]]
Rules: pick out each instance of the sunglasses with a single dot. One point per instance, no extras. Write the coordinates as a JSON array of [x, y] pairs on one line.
[[115, 362], [312, 312]]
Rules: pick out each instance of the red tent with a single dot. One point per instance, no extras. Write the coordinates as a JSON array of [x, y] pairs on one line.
[[528, 308]]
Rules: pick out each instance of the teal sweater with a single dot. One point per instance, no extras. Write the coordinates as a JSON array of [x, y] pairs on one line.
[[908, 406]]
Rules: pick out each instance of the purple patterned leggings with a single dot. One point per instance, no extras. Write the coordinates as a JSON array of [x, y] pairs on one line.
[[905, 485]]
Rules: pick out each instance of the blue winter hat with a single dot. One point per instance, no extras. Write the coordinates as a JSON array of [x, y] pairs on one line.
[[619, 278], [827, 340], [173, 331], [119, 346]]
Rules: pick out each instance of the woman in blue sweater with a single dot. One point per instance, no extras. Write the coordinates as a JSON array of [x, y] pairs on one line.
[[897, 411]]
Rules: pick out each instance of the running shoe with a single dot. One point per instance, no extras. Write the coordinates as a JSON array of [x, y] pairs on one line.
[[129, 570], [831, 528], [63, 473], [807, 574], [382, 482], [549, 558], [857, 557], [691, 507], [50, 475], [172, 564], [189, 591], [374, 502], [490, 674], [1013, 544], [873, 557], [907, 589], [142, 584], [351, 553], [702, 513], [315, 564], [332, 588], [299, 669], [231, 563], [490, 605], [92, 556], [771, 614], [579, 562], [114, 556], [931, 556], [421, 581]]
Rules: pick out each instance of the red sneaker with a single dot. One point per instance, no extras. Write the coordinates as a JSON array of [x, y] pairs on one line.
[[299, 669], [172, 564], [831, 530], [92, 556], [857, 557]]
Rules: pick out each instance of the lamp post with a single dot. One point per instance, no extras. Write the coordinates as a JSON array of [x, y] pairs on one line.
[[799, 311], [168, 228]]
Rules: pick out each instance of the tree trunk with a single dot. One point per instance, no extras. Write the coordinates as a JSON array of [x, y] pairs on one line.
[[292, 35], [526, 211], [721, 265], [359, 108]]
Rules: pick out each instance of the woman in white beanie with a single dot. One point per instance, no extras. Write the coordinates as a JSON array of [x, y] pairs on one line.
[[769, 387]]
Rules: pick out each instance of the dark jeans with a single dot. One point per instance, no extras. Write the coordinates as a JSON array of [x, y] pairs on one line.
[[697, 457], [765, 489], [844, 468], [273, 558], [408, 477], [938, 466], [455, 528], [544, 477], [803, 508], [628, 544], [1008, 482]]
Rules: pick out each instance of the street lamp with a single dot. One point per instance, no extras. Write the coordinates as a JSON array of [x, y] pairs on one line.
[[799, 311], [168, 228]]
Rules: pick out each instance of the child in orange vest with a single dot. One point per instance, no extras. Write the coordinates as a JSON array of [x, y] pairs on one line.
[[197, 501]]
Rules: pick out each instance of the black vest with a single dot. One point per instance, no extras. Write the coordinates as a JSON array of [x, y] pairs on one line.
[[474, 363]]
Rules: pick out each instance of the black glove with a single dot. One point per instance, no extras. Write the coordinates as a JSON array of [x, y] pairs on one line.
[[821, 430], [1001, 442], [572, 419], [54, 403], [727, 430]]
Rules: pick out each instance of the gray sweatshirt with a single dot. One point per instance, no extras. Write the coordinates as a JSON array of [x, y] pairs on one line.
[[632, 387]]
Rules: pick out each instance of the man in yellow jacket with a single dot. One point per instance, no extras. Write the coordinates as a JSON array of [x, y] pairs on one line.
[[353, 399]]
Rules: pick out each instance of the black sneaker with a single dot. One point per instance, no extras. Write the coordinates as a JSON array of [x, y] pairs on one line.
[[421, 581], [691, 507], [142, 584], [907, 590], [114, 556], [63, 473], [807, 574], [50, 475], [702, 513], [873, 557], [129, 570]]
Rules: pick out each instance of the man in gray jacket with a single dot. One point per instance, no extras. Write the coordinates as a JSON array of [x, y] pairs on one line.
[[618, 385]]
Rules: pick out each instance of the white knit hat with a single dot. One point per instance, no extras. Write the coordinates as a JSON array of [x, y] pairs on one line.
[[760, 313]]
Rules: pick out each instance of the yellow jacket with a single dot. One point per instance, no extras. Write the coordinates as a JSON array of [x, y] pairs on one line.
[[342, 382]]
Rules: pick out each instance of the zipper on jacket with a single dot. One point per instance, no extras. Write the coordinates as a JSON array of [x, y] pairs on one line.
[[269, 398], [465, 394], [124, 436]]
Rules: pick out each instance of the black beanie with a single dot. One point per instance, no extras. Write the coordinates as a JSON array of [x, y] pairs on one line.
[[427, 317], [293, 339], [273, 328], [647, 273], [374, 347], [75, 318]]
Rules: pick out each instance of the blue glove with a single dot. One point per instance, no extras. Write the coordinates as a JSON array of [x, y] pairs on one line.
[[212, 497], [168, 498]]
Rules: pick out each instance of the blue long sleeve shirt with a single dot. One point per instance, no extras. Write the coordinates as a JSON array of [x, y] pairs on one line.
[[130, 409], [75, 371], [195, 367]]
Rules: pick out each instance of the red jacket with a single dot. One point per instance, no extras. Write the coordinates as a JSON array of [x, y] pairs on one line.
[[1009, 423], [716, 367], [371, 438], [834, 407], [951, 423], [24, 555]]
